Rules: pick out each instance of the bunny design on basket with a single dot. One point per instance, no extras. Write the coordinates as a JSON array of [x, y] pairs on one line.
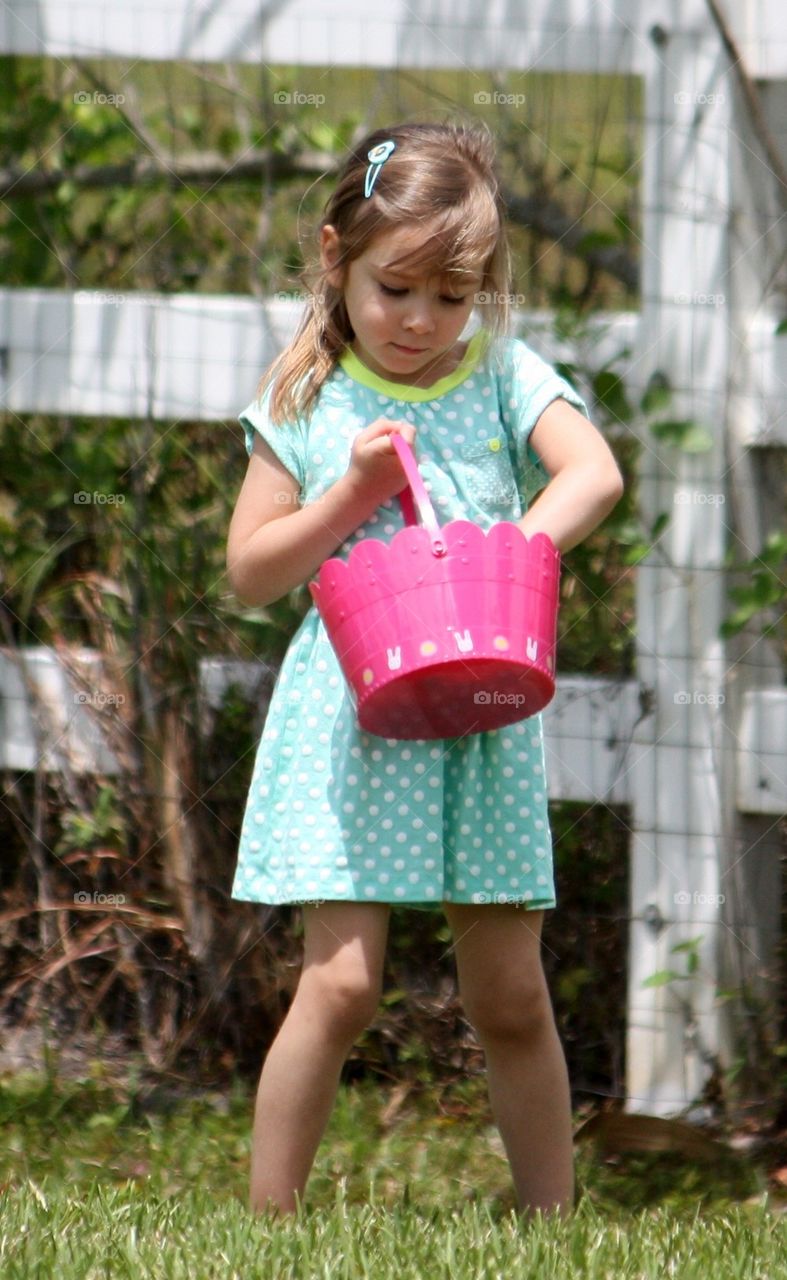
[[444, 631]]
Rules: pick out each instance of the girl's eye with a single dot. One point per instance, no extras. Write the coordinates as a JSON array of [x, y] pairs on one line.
[[391, 292]]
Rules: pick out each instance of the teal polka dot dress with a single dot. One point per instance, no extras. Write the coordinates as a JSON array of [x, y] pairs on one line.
[[334, 813]]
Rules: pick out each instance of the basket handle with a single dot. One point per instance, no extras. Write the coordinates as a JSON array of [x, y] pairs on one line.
[[415, 498]]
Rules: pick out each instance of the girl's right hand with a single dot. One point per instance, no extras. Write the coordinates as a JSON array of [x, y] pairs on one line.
[[374, 463]]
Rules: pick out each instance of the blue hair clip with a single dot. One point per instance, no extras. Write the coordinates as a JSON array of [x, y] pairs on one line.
[[377, 158]]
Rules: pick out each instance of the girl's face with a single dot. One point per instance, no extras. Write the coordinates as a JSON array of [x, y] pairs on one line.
[[406, 324]]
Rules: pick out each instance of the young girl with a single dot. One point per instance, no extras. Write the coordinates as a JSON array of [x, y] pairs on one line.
[[412, 246]]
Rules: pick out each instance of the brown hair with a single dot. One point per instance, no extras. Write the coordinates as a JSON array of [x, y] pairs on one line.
[[441, 176]]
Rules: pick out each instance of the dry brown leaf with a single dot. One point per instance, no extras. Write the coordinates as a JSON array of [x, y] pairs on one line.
[[616, 1132], [394, 1105]]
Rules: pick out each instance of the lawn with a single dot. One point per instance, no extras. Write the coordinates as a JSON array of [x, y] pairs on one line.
[[102, 1181]]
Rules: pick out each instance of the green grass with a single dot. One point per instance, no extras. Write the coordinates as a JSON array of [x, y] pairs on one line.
[[97, 1182]]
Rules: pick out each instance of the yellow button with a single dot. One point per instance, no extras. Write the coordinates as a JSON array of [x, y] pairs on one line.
[[494, 445]]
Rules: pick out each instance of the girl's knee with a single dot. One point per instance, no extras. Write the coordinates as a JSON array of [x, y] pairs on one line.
[[346, 999], [520, 1013]]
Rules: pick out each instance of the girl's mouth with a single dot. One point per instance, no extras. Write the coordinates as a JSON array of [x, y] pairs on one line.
[[410, 351]]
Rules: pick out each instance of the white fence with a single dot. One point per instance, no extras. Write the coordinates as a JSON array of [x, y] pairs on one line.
[[578, 35], [696, 744]]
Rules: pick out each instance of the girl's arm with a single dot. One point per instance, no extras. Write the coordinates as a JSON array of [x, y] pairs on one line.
[[585, 483], [274, 544]]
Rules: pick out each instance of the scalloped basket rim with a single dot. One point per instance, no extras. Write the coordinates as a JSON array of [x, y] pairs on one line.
[[350, 566]]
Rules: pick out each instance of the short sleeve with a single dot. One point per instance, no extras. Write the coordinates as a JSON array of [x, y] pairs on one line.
[[527, 385], [287, 441]]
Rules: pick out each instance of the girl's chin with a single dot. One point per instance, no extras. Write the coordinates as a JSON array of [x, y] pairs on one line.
[[397, 363]]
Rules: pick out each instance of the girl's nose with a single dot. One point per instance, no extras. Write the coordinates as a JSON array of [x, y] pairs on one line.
[[419, 318]]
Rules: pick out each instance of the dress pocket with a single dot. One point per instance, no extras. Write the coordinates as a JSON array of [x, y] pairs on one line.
[[485, 473]]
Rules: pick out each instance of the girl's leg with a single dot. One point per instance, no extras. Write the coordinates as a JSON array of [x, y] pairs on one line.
[[505, 997], [337, 997]]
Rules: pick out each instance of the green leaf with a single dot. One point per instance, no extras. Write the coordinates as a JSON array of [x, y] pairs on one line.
[[228, 140], [658, 393], [91, 117], [122, 207], [395, 996], [323, 135], [597, 240], [609, 390], [567, 370], [781, 327], [763, 589], [108, 1119], [684, 434], [629, 532], [689, 945], [774, 549], [66, 192], [733, 624], [662, 977], [191, 120], [725, 994], [625, 227], [636, 552], [637, 541], [659, 525], [571, 983]]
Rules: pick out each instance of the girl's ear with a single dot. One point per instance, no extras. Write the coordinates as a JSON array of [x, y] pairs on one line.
[[329, 254]]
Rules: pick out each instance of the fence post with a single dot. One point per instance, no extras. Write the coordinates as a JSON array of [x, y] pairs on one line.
[[686, 832]]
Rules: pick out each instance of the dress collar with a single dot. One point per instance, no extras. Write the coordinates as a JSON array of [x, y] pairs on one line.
[[358, 371]]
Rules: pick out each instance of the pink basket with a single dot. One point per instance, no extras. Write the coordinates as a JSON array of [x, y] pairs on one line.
[[444, 631]]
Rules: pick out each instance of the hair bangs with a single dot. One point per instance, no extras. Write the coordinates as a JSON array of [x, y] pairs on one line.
[[458, 243]]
